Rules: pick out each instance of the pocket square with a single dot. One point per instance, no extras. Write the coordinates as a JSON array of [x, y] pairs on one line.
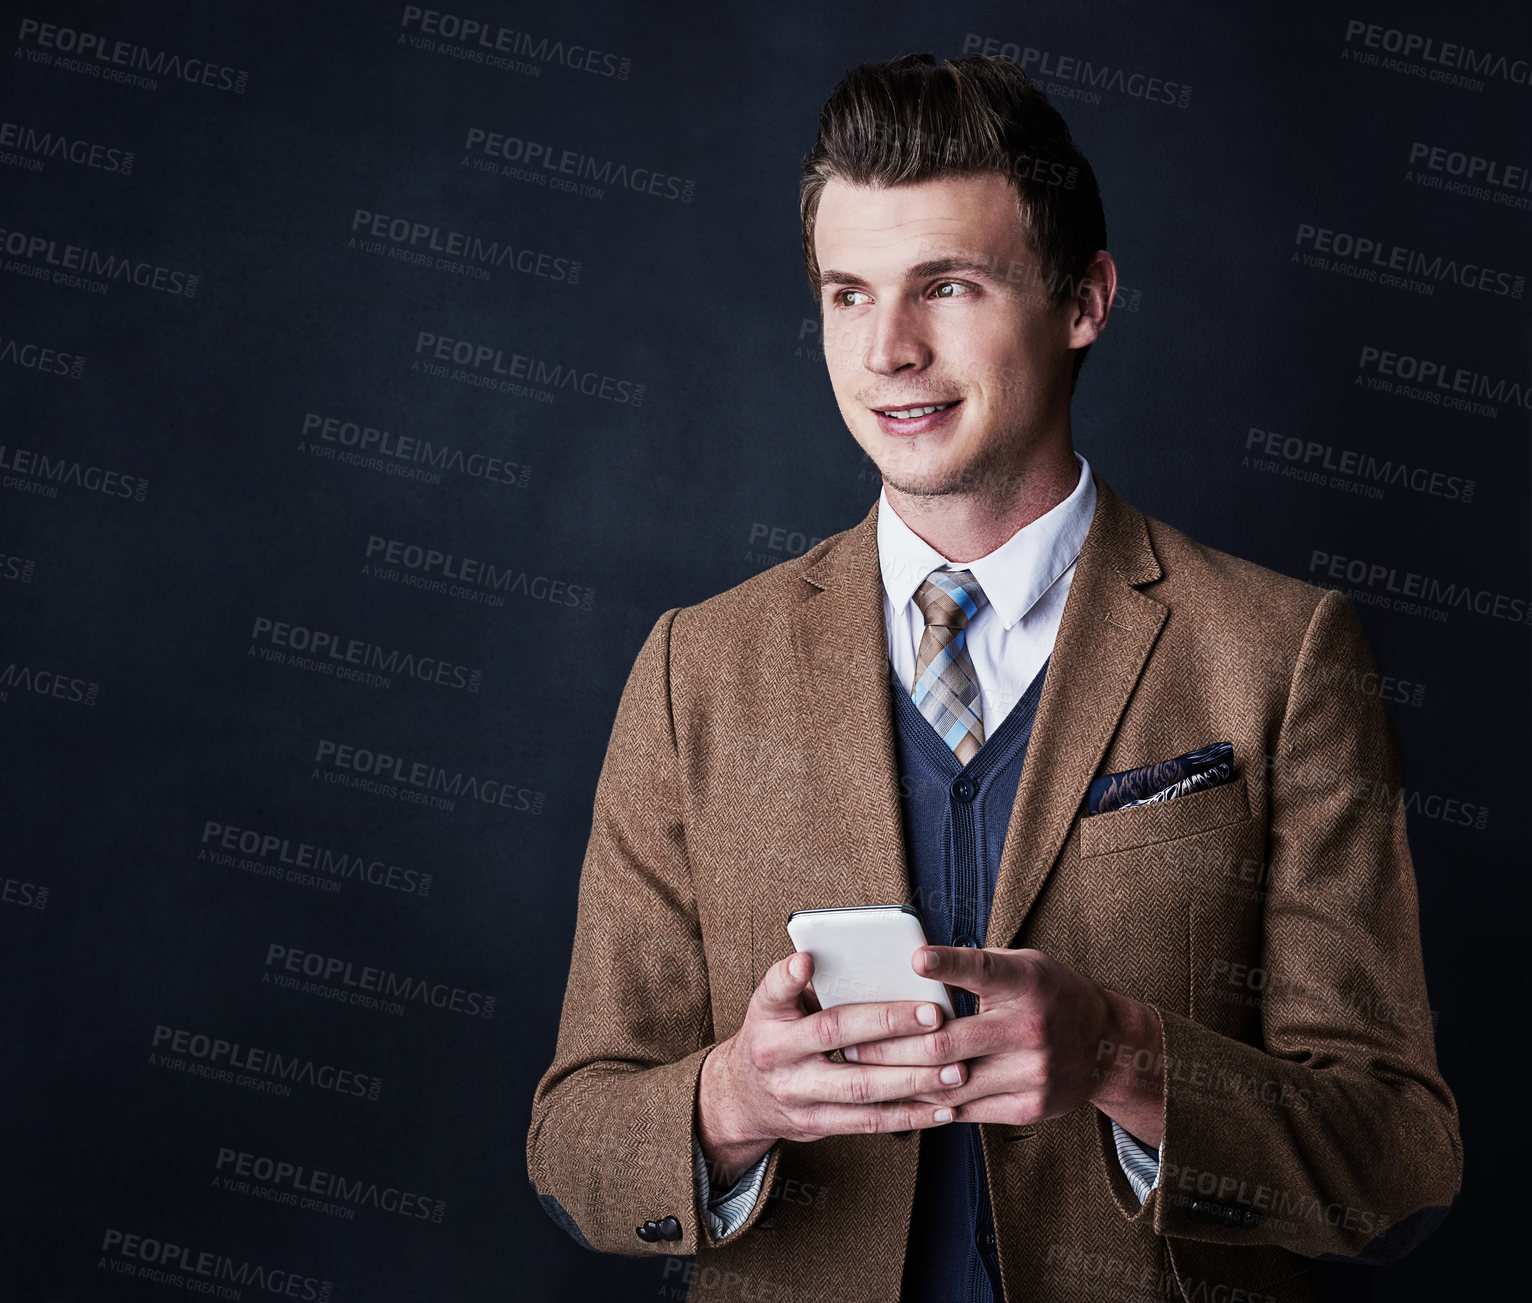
[[1205, 767]]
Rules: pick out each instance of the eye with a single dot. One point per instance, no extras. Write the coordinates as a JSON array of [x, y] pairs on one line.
[[951, 289], [839, 297]]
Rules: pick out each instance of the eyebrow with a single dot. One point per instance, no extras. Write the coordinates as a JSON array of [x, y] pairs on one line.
[[919, 271]]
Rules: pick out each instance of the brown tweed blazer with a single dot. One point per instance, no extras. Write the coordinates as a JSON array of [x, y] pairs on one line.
[[1271, 921]]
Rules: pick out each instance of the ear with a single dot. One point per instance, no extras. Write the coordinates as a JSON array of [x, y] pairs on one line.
[[1092, 302]]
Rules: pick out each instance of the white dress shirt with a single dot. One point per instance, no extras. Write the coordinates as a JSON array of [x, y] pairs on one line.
[[1026, 581]]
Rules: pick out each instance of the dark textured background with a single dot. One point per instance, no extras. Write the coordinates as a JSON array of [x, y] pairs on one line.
[[735, 459]]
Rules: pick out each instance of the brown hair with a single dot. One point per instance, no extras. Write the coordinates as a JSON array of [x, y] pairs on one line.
[[911, 120]]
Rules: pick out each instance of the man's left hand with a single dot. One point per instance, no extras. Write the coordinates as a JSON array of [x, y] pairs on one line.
[[1045, 1040]]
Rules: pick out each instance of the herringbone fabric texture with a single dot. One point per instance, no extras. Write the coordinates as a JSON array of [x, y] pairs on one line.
[[1270, 920], [946, 688]]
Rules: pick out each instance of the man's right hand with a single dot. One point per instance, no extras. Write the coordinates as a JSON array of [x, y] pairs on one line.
[[774, 1078]]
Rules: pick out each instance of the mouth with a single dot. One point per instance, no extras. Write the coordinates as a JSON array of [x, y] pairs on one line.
[[916, 418], [914, 411]]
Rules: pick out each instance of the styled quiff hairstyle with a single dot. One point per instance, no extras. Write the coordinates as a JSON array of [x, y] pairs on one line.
[[911, 120]]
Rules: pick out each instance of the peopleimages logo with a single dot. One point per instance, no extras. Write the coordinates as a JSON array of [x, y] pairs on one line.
[[271, 854], [1311, 458], [414, 241], [101, 56], [1070, 77], [202, 1271], [1430, 380], [35, 147], [24, 895], [335, 653], [267, 1071], [19, 569], [344, 979], [573, 170], [36, 472], [485, 42], [315, 1190], [1473, 168], [1386, 585], [1373, 259], [42, 682], [40, 357], [427, 567], [1435, 59], [494, 368], [42, 257], [355, 442], [367, 770]]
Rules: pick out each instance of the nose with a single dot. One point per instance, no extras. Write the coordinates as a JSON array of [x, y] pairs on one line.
[[897, 340]]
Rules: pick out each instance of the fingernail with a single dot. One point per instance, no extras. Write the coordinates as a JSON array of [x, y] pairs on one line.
[[952, 1074], [929, 960], [928, 1015], [944, 1115], [850, 1053]]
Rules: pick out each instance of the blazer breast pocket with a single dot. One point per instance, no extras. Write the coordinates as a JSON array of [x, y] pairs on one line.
[[1165, 821]]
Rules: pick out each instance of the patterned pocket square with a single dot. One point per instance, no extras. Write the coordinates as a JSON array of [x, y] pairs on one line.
[[1205, 767]]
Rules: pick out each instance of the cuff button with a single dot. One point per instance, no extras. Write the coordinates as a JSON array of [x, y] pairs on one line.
[[670, 1229]]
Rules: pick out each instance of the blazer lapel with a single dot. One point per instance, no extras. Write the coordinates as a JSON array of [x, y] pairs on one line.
[[841, 645], [841, 652], [1105, 636]]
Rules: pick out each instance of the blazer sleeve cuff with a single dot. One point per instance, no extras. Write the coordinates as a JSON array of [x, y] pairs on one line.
[[1293, 1174], [625, 1160]]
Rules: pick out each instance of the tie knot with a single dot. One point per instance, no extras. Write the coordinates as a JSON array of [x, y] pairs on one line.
[[950, 598]]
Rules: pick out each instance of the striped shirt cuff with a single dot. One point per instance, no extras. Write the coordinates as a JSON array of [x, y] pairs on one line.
[[1140, 1164], [727, 1212]]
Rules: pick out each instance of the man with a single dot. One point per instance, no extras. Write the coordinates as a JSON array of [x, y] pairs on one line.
[[1109, 766]]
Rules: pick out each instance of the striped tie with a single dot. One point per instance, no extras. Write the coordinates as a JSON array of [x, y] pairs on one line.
[[946, 688]]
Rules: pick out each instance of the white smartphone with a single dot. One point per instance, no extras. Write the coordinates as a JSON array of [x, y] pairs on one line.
[[862, 955]]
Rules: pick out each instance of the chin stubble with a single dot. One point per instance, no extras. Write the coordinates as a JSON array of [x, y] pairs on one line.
[[987, 477]]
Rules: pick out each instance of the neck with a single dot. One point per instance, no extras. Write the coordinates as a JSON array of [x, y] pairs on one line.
[[966, 526]]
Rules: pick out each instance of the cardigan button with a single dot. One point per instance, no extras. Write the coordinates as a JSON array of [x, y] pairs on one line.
[[964, 790]]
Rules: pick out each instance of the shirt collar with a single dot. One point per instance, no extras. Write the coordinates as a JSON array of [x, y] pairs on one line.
[[1014, 575]]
